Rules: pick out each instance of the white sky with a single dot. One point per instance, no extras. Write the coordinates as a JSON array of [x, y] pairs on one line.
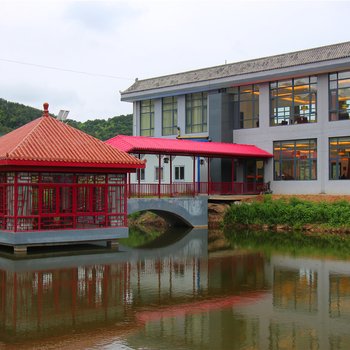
[[117, 41]]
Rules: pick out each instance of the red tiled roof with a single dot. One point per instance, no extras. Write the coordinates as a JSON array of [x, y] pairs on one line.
[[47, 141], [149, 145]]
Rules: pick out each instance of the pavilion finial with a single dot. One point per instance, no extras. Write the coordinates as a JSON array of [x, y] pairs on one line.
[[46, 109]]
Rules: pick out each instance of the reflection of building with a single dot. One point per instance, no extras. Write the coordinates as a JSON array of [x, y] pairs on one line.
[[212, 322], [309, 307], [294, 105]]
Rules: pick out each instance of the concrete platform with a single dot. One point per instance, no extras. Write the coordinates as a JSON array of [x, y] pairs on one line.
[[230, 198]]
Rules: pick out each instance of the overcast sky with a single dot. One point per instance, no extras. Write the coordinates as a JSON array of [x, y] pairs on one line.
[[94, 49]]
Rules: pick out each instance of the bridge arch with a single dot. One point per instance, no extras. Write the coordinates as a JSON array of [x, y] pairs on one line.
[[191, 212]]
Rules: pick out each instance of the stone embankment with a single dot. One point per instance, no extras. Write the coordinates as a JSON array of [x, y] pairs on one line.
[[216, 238]]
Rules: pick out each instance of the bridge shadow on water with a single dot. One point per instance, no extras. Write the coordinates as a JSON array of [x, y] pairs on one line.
[[168, 238]]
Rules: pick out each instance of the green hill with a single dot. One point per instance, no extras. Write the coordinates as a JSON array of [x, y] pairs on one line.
[[13, 115]]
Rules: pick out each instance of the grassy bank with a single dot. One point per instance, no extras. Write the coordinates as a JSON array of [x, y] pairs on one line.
[[290, 213]]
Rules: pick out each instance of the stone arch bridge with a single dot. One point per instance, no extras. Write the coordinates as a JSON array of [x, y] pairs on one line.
[[190, 211]]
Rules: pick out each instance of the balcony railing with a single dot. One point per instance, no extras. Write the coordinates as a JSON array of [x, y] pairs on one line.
[[185, 189]]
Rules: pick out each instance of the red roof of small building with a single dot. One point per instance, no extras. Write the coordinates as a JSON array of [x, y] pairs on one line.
[[47, 141], [153, 145]]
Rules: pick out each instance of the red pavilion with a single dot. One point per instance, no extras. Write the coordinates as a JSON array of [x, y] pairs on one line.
[[59, 185]]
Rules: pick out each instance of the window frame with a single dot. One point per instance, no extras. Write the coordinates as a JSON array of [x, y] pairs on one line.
[[180, 168], [252, 98], [140, 175], [298, 162], [295, 113], [171, 108], [156, 172], [196, 101], [147, 111], [340, 160], [336, 112]]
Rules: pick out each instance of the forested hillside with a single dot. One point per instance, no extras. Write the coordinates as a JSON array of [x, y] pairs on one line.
[[14, 115]]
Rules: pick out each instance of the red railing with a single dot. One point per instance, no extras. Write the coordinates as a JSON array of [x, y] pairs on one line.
[[191, 189]]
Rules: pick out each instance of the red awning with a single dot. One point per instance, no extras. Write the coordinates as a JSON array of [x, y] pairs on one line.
[[153, 145]]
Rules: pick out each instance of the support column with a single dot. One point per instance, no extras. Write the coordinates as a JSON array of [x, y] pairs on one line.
[[194, 176], [139, 179], [159, 172], [232, 176], [20, 249], [171, 175], [208, 180], [113, 244]]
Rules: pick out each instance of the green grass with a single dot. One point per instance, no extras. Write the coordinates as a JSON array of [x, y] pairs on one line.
[[293, 212]]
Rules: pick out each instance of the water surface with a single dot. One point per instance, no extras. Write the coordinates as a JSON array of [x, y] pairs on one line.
[[175, 297]]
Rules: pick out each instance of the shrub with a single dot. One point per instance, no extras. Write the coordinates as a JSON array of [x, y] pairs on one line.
[[295, 213]]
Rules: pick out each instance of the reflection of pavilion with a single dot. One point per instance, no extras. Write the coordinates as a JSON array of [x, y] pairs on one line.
[[44, 296]]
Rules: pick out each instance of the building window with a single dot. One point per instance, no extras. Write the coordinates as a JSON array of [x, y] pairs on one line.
[[156, 173], [196, 113], [339, 96], [169, 116], [147, 118], [293, 101], [339, 158], [295, 160], [179, 173], [246, 106], [140, 174]]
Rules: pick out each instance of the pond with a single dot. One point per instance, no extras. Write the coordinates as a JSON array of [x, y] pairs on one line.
[[175, 296]]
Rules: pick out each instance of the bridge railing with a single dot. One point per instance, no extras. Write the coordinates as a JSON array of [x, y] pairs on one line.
[[184, 189]]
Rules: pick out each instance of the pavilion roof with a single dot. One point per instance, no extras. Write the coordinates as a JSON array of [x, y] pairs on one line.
[[153, 145], [47, 141]]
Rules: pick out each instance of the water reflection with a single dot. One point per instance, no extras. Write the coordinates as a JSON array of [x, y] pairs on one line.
[[175, 297]]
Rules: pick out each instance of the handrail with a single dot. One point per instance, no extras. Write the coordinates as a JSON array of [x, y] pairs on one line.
[[185, 189]]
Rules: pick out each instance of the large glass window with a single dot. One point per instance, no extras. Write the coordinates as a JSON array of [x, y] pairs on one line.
[[293, 101], [169, 116], [196, 112], [339, 96], [339, 158], [147, 118], [246, 106], [295, 160]]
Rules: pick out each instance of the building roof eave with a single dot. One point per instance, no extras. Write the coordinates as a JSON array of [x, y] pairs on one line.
[[314, 68]]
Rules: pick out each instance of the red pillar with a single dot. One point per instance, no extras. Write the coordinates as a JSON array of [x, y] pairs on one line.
[[139, 179], [15, 202], [159, 172], [233, 175]]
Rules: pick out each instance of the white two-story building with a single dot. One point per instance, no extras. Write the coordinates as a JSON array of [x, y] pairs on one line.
[[294, 105]]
